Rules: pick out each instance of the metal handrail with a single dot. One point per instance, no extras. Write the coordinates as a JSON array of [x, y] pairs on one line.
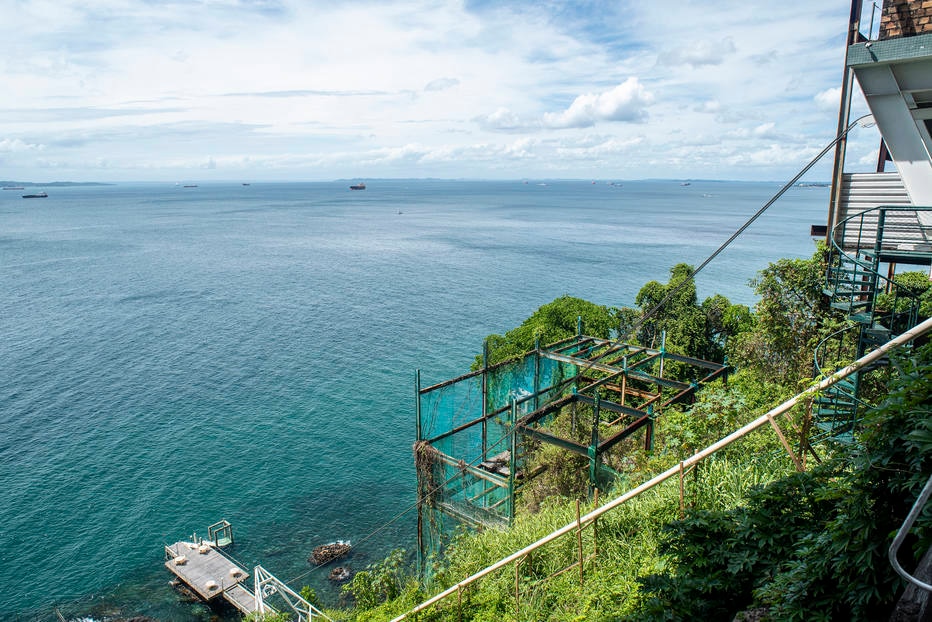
[[904, 530], [768, 418], [886, 208], [824, 344], [872, 247]]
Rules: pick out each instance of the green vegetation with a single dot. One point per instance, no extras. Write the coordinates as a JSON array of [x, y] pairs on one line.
[[916, 283], [379, 582], [552, 322], [699, 330], [811, 546], [310, 595], [268, 617], [753, 537]]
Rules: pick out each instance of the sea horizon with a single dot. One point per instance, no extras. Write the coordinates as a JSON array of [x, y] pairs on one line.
[[246, 179]]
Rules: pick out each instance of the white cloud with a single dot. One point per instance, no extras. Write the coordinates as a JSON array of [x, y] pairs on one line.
[[502, 120], [699, 53], [626, 102], [15, 145], [440, 87], [773, 155], [711, 105], [869, 158], [829, 99], [762, 131], [441, 84]]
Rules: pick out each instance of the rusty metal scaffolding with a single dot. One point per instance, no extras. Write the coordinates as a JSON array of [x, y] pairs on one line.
[[475, 432]]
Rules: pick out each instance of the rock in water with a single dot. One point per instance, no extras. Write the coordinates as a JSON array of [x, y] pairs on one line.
[[339, 574], [326, 553]]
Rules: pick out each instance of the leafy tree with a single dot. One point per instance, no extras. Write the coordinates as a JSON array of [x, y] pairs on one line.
[[723, 321], [915, 283], [672, 308], [310, 595], [679, 316], [379, 582], [552, 322], [789, 321]]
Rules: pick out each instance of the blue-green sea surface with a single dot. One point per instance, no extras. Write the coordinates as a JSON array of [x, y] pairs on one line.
[[172, 356]]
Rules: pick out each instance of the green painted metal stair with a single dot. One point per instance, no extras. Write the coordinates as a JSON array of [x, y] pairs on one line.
[[853, 284]]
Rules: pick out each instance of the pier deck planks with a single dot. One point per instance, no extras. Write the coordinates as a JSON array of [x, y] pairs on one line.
[[202, 568], [243, 599]]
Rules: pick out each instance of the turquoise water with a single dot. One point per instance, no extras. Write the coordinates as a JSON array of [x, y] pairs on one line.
[[172, 356]]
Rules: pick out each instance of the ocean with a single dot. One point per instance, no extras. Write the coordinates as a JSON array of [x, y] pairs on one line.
[[173, 356]]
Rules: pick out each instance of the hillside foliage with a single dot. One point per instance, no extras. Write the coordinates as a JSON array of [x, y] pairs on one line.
[[754, 537]]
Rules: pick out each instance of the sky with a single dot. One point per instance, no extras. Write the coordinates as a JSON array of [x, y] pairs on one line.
[[300, 90]]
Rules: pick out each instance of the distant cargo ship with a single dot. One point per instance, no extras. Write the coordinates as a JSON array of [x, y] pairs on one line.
[[359, 186], [13, 188], [191, 186], [38, 195]]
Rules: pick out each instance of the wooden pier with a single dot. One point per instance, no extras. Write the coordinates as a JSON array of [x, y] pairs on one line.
[[209, 573], [205, 570]]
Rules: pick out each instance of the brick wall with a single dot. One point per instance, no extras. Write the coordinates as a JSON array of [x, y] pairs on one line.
[[905, 18]]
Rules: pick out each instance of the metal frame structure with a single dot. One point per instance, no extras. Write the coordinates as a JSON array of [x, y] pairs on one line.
[[475, 432], [266, 585], [221, 533], [768, 418]]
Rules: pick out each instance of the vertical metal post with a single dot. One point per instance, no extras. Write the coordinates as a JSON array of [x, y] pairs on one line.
[[649, 436], [624, 378], [682, 492], [576, 351], [663, 349], [579, 542], [518, 587], [594, 445], [844, 112], [595, 526], [420, 502], [417, 403], [512, 462], [878, 242], [573, 414], [484, 426], [536, 373], [485, 396]]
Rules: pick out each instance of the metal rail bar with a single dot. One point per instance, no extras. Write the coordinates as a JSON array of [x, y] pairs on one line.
[[902, 533]]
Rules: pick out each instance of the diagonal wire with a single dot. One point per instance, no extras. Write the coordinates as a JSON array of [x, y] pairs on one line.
[[634, 328], [653, 310], [409, 508]]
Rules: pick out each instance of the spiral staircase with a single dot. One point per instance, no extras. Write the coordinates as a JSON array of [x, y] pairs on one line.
[[876, 307]]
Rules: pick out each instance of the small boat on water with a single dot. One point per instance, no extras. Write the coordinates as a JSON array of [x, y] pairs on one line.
[[191, 186], [360, 186], [38, 195]]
